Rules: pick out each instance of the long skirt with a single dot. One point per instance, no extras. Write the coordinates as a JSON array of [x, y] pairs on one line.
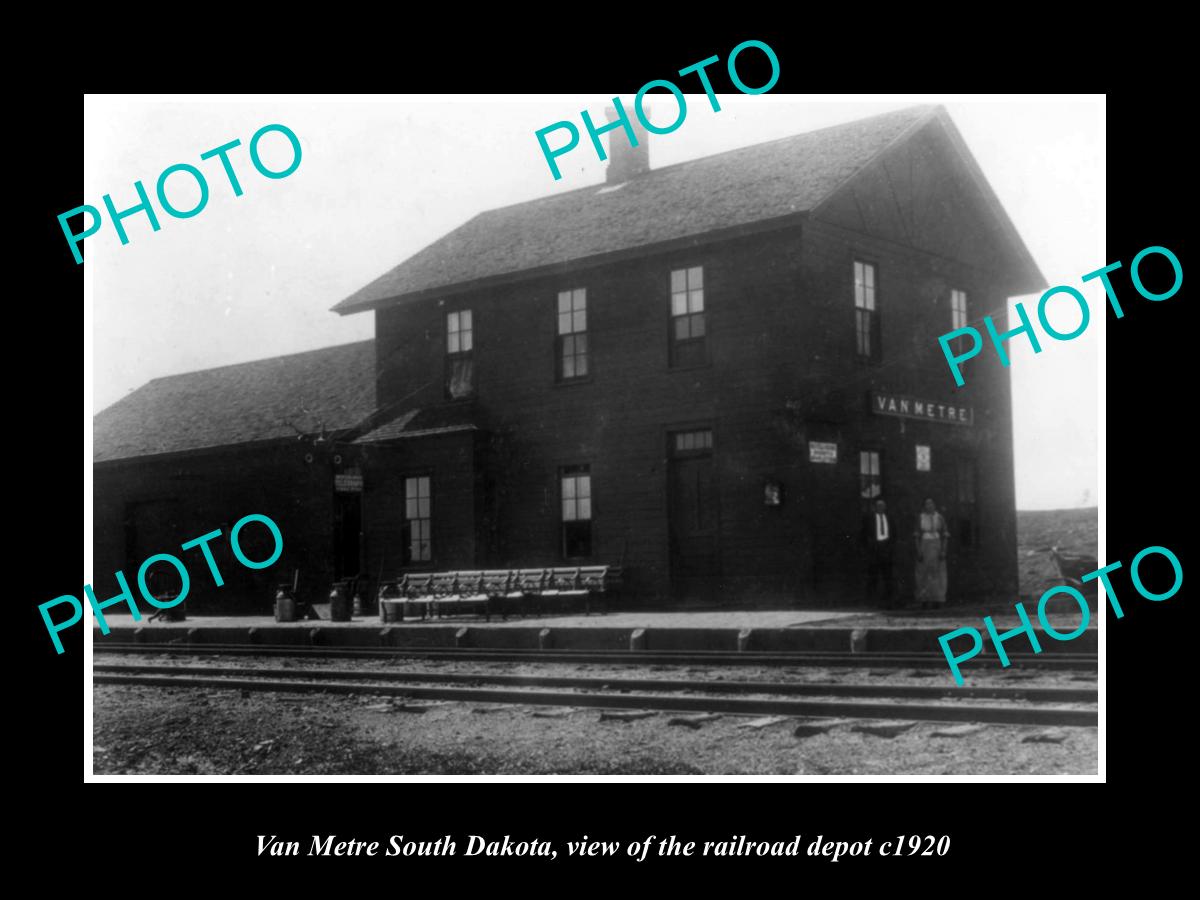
[[931, 572]]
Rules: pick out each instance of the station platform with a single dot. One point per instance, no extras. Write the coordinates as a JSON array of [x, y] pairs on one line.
[[855, 630]]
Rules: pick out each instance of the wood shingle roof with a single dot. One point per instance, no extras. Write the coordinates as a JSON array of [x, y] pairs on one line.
[[715, 193], [330, 389]]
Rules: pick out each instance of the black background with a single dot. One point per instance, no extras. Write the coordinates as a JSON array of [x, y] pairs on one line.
[[205, 836]]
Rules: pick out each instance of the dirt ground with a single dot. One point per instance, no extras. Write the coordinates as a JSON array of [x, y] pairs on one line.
[[1071, 530], [196, 732]]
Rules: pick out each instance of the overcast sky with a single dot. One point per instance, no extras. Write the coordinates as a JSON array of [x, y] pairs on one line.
[[254, 276]]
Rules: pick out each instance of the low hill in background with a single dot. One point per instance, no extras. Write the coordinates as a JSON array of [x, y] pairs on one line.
[[1071, 530]]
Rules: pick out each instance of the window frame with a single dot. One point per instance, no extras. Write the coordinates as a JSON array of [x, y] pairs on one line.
[[460, 355], [874, 329], [576, 470], [703, 449], [955, 293], [868, 501], [560, 376], [678, 346], [958, 343], [406, 526]]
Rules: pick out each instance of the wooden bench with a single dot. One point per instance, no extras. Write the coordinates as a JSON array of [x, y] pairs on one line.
[[598, 582], [562, 590], [412, 591], [524, 589], [496, 585], [584, 583], [466, 595], [503, 591]]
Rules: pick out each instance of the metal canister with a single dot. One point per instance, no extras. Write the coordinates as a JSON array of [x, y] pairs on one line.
[[173, 613], [339, 602], [390, 591], [285, 604]]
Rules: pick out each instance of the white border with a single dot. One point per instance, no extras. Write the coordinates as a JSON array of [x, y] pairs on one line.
[[91, 189]]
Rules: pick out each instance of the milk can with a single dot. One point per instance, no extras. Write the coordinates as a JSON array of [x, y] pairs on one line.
[[339, 602], [389, 612], [285, 604]]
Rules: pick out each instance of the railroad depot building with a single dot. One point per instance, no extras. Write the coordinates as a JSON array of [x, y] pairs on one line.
[[703, 373]]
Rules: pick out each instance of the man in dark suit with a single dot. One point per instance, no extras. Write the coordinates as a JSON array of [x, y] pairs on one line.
[[878, 539]]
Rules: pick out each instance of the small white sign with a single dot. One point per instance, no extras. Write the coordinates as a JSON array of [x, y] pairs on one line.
[[922, 458], [348, 482], [819, 452]]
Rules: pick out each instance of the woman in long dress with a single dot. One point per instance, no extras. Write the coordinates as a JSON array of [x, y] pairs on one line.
[[931, 537]]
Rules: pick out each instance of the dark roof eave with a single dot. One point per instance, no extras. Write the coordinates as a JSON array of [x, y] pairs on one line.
[[191, 452], [709, 237]]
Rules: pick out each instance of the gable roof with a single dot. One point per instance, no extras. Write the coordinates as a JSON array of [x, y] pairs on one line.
[[332, 389], [689, 199]]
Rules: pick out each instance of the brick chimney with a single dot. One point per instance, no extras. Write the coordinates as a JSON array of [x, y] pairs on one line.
[[624, 161]]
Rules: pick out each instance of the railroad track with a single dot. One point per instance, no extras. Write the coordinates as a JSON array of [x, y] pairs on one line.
[[634, 693], [1055, 661]]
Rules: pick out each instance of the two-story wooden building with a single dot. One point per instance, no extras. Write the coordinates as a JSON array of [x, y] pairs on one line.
[[703, 373]]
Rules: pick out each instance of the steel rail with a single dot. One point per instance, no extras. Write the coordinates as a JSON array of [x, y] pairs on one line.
[[952, 712], [873, 659], [652, 685]]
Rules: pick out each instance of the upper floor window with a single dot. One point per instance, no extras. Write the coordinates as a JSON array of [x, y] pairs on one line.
[[689, 330], [572, 334], [460, 358], [958, 309], [576, 482], [866, 315], [958, 319]]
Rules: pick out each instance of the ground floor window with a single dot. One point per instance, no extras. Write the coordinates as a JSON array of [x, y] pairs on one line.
[[418, 520], [576, 482], [870, 476]]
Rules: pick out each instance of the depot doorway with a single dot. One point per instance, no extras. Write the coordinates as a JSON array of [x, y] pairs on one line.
[[693, 518]]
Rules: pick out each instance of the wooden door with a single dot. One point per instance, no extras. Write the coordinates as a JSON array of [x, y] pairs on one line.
[[693, 519], [347, 528]]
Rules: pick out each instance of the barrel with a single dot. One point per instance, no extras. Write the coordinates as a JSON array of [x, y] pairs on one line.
[[339, 602], [285, 604]]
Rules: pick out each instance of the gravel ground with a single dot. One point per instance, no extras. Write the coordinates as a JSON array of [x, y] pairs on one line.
[[183, 731]]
